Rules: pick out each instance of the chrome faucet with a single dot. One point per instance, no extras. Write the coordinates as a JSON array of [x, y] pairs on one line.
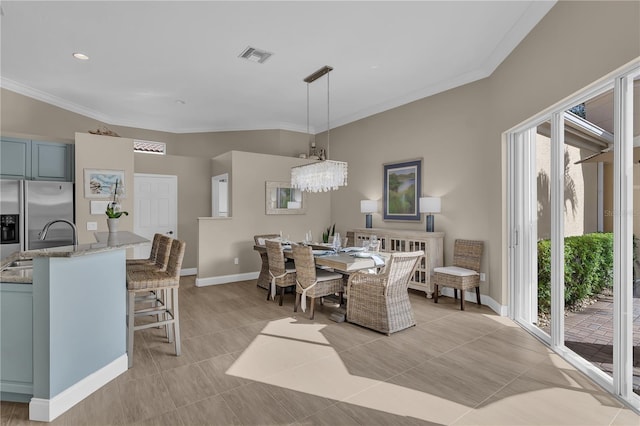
[[44, 231]]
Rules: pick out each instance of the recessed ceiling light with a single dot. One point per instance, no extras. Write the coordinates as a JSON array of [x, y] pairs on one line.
[[80, 56]]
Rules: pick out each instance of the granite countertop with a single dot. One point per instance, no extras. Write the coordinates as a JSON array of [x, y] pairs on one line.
[[105, 242]]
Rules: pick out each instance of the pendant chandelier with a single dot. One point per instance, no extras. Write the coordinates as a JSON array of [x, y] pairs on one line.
[[325, 175]]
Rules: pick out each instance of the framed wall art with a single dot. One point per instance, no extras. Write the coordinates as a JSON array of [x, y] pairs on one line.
[[402, 189], [281, 198], [100, 183]]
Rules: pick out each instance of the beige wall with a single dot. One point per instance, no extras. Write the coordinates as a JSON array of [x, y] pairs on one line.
[[102, 152], [447, 131], [222, 240], [25, 117], [276, 142]]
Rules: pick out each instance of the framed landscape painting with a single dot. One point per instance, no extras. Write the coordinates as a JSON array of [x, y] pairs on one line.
[[402, 189], [100, 183]]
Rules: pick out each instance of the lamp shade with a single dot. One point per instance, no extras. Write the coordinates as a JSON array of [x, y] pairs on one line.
[[430, 205], [368, 206]]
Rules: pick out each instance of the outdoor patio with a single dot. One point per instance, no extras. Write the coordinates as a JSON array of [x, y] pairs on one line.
[[589, 333]]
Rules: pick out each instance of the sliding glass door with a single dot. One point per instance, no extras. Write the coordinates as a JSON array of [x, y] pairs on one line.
[[571, 195]]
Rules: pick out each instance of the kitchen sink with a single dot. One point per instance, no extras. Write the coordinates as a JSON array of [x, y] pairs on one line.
[[20, 264]]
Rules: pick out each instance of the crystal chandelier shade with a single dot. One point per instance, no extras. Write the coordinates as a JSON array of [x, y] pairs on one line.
[[322, 176], [325, 175]]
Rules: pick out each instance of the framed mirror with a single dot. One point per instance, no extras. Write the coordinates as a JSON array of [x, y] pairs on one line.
[[280, 198]]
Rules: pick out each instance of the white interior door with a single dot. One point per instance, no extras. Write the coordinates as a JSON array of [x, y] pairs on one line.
[[156, 208]]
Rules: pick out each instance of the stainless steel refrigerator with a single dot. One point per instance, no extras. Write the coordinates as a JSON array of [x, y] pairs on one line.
[[26, 206]]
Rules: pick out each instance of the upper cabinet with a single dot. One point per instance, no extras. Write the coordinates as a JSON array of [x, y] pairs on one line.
[[36, 160], [15, 158], [51, 161]]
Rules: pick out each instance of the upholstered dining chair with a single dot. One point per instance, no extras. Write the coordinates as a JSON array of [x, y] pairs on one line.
[[281, 274], [464, 274], [313, 282], [381, 301], [164, 285]]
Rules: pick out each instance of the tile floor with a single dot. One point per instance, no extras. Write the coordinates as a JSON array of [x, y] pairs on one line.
[[247, 361]]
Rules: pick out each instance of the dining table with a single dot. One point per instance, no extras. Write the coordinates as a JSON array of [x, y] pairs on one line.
[[346, 261]]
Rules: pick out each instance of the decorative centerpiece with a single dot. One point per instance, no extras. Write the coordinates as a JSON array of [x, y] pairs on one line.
[[114, 211]]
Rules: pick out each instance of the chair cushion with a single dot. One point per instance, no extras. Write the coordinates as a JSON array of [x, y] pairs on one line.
[[455, 270], [324, 275]]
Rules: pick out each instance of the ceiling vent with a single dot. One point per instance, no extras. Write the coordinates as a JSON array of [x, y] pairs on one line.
[[255, 55], [149, 147]]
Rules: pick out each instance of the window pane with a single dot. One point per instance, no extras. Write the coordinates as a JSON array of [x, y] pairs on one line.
[[543, 180], [588, 295]]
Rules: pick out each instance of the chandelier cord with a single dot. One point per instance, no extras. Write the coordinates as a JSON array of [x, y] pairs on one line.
[[307, 110], [328, 126]]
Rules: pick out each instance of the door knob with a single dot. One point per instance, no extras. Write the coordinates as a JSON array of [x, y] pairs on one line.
[[170, 232]]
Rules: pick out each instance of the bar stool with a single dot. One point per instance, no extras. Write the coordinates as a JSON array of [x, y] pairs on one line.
[[165, 285], [157, 261], [158, 257], [152, 254]]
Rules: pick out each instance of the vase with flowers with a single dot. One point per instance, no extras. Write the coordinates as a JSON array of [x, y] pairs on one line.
[[114, 211]]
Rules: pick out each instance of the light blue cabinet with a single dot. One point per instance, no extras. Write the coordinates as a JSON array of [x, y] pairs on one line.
[[15, 158], [51, 161], [36, 160], [16, 340]]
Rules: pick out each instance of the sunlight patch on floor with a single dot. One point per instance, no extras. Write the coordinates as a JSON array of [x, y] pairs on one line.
[[543, 406], [506, 321], [297, 356]]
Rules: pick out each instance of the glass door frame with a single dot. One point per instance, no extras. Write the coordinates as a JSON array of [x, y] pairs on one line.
[[522, 229]]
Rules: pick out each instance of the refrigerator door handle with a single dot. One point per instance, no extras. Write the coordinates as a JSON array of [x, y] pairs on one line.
[[22, 210]]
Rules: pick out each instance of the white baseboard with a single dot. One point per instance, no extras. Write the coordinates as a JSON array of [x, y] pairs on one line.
[[46, 410], [470, 296], [223, 279], [188, 271]]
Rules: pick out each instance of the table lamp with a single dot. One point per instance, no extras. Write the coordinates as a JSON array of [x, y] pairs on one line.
[[430, 205], [368, 207]]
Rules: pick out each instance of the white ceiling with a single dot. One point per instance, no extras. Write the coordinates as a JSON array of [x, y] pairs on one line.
[[144, 56]]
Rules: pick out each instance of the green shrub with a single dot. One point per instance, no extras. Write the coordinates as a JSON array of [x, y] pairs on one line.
[[588, 268]]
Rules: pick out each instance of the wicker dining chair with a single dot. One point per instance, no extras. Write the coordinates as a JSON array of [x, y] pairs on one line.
[[313, 282], [264, 276], [381, 301], [464, 274], [281, 274]]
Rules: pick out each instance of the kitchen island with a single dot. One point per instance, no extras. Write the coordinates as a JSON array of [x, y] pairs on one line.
[[63, 325]]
